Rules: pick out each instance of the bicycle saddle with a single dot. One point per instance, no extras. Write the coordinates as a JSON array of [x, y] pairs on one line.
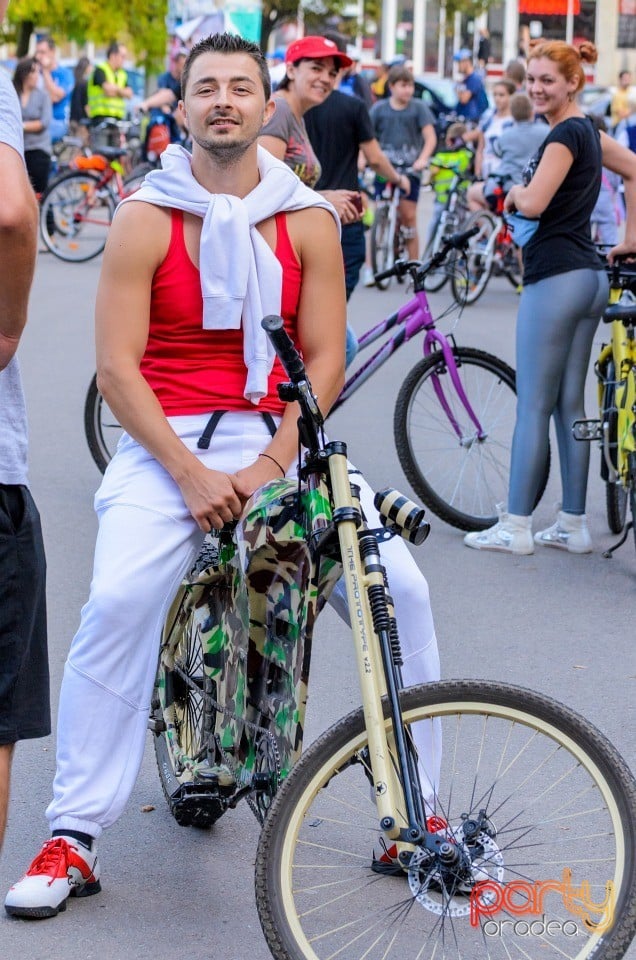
[[625, 312]]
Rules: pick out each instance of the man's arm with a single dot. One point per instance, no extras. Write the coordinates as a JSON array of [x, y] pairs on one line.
[[322, 314], [137, 243], [163, 97], [18, 248]]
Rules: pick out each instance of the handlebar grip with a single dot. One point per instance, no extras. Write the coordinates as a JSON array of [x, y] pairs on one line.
[[385, 274], [284, 347], [459, 240]]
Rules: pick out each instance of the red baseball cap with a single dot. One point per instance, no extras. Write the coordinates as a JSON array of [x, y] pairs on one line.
[[315, 48]]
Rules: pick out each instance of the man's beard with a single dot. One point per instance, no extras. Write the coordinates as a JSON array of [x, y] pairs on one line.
[[225, 153]]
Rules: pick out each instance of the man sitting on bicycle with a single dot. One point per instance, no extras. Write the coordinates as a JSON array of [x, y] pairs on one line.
[[224, 237], [405, 129]]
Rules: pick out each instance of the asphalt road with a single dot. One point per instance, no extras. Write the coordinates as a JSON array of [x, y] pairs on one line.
[[558, 623]]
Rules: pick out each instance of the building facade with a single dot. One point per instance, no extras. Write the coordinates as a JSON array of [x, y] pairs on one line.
[[420, 30]]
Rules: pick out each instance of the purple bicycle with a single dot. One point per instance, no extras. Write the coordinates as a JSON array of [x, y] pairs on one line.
[[454, 415], [455, 412]]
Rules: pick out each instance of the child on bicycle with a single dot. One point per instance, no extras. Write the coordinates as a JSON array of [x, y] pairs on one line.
[[455, 157], [405, 130], [515, 146]]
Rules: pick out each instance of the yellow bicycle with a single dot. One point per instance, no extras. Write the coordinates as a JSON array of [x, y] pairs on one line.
[[615, 429]]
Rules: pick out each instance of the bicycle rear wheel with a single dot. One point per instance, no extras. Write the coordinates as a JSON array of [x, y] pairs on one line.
[[435, 279], [469, 282], [136, 177], [461, 476], [186, 743], [381, 244], [528, 791], [101, 427], [75, 214]]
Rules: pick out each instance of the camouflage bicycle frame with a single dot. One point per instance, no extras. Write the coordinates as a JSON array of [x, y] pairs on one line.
[[254, 610]]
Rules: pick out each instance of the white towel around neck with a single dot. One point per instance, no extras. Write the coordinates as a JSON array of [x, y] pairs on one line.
[[241, 278]]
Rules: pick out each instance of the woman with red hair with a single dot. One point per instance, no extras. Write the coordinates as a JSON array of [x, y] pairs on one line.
[[564, 292]]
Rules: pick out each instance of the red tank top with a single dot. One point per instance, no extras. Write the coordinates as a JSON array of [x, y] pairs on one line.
[[192, 370]]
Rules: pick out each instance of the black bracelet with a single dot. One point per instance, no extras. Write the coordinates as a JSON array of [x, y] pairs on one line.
[[267, 455]]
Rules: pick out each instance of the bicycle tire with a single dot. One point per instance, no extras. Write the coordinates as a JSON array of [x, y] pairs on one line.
[[511, 266], [616, 495], [381, 245], [460, 480], [632, 492], [469, 282], [136, 177], [181, 678], [75, 216], [436, 279], [317, 896], [101, 427]]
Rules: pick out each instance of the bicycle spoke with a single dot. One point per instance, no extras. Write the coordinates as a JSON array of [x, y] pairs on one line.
[[543, 817]]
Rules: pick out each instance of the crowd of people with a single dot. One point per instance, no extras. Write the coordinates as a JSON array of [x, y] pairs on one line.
[[178, 339]]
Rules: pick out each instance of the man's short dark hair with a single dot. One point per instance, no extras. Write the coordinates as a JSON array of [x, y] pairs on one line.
[[399, 74], [112, 48], [227, 43], [49, 41]]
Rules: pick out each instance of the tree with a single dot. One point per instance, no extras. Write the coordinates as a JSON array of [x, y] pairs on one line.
[[317, 14], [141, 23]]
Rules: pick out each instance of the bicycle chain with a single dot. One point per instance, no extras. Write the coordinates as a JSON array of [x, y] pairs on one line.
[[230, 761]]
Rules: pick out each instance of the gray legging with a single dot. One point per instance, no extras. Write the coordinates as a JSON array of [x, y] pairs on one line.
[[555, 329]]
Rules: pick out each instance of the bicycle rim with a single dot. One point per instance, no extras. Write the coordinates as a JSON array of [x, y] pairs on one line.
[[381, 252], [549, 795], [75, 216], [101, 426], [470, 278], [459, 475]]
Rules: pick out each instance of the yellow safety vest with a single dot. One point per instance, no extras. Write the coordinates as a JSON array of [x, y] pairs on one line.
[[99, 105]]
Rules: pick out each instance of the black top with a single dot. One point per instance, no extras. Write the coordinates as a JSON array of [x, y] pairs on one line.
[[563, 241], [336, 129], [79, 100]]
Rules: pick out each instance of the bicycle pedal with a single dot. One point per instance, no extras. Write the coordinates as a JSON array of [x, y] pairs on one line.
[[587, 430]]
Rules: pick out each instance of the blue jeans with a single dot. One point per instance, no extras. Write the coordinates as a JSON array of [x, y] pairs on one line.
[[353, 253]]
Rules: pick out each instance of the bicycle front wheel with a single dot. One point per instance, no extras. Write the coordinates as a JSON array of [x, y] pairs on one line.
[[459, 472], [75, 214], [470, 279], [382, 244], [101, 427], [537, 805]]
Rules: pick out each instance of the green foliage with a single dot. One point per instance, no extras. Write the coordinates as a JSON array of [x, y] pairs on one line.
[[141, 24], [470, 7]]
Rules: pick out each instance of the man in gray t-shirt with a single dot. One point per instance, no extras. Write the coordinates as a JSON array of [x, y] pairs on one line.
[[24, 682], [405, 130]]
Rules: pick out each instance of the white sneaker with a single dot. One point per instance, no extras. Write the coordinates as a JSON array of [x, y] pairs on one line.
[[569, 532], [63, 868], [367, 276], [511, 534]]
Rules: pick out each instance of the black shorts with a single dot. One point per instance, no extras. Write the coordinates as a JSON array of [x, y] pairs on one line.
[[24, 669]]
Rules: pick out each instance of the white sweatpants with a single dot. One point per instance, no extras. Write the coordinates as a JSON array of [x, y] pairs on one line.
[[146, 542]]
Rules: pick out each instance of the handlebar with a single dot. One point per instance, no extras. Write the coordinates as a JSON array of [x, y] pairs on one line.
[[282, 343], [621, 273], [457, 241], [311, 420]]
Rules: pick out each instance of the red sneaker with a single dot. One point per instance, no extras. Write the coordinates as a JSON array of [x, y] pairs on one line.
[[63, 868]]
